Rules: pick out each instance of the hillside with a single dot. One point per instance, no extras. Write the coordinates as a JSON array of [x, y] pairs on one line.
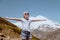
[[9, 31]]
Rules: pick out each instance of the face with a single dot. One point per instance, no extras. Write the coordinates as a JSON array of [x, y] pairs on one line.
[[26, 15]]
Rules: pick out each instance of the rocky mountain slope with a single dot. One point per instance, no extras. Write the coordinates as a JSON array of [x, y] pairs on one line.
[[47, 33]]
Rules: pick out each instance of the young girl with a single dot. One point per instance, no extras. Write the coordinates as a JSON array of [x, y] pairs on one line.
[[26, 33]]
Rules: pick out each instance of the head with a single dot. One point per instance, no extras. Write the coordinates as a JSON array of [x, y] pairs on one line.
[[26, 15]]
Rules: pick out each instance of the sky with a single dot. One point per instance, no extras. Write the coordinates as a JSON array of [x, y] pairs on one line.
[[46, 8]]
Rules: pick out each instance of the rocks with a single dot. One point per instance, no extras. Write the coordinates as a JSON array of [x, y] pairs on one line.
[[6, 31], [44, 35]]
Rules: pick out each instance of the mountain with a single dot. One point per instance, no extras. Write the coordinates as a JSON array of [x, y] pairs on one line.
[[9, 31], [46, 27], [48, 22], [35, 25], [47, 35], [46, 32]]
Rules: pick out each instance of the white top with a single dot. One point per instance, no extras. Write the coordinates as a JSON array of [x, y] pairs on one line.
[[26, 24]]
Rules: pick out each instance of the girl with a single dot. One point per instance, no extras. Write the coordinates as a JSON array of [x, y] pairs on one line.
[[26, 33]]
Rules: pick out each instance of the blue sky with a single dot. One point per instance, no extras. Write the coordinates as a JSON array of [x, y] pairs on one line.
[[15, 8]]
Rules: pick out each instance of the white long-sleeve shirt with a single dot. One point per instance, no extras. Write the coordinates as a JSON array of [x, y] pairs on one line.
[[26, 24]]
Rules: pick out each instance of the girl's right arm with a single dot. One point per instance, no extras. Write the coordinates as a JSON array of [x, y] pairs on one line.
[[17, 19]]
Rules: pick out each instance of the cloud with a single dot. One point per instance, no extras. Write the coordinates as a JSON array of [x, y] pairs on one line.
[[35, 25]]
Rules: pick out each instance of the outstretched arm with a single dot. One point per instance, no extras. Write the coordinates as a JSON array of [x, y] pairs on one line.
[[37, 20], [17, 19]]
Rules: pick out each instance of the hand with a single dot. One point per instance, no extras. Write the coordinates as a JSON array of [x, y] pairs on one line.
[[6, 17]]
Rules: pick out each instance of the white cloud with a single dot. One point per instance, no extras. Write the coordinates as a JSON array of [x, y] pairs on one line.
[[35, 25]]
